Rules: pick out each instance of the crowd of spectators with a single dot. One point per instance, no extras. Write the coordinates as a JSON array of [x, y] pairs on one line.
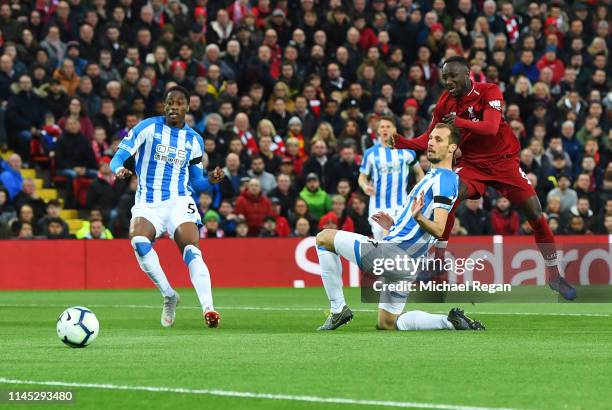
[[286, 95]]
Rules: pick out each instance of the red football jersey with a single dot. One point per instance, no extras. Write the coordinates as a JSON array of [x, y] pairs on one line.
[[475, 147]]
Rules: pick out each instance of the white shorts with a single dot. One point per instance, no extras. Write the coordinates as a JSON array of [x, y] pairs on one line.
[[168, 215], [377, 231], [348, 245]]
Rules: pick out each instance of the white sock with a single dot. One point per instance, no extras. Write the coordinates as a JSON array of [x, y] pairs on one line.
[[331, 273], [149, 263], [419, 320], [377, 231], [200, 276]]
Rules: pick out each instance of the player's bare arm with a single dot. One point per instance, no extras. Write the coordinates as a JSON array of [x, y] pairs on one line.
[[366, 185]]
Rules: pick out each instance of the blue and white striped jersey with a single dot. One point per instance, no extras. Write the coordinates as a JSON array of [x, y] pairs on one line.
[[441, 188], [388, 170], [163, 156]]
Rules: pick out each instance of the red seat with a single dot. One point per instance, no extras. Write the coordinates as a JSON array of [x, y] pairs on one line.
[[56, 179], [80, 186], [37, 152]]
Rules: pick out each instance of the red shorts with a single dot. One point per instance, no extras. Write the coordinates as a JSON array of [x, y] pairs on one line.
[[504, 175]]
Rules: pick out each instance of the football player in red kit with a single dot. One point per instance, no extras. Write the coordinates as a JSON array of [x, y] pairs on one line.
[[489, 157]]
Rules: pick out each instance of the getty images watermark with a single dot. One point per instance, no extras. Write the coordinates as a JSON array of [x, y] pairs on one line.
[[398, 274], [480, 272], [390, 272]]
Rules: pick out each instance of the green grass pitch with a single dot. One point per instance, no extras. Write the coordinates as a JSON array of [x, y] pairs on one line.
[[532, 356]]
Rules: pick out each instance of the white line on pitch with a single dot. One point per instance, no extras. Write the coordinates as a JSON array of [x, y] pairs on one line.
[[249, 395], [290, 309]]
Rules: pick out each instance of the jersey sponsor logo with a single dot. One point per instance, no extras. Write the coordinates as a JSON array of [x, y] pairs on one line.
[[393, 168], [171, 155], [495, 104], [157, 136], [472, 115]]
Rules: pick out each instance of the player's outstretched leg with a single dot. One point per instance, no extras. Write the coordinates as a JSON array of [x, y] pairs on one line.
[[389, 319], [419, 320], [331, 274], [187, 237], [546, 243], [378, 232], [149, 263], [142, 232], [200, 278]]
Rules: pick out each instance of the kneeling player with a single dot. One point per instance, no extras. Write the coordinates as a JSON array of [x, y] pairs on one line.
[[419, 225]]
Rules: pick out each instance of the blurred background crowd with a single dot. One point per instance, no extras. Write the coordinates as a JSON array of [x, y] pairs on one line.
[[287, 95]]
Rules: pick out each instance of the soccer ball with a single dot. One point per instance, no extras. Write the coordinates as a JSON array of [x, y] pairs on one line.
[[77, 326]]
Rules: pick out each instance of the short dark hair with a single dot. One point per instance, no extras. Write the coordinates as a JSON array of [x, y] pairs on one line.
[[358, 197], [458, 60], [453, 137], [55, 220], [178, 88], [17, 225]]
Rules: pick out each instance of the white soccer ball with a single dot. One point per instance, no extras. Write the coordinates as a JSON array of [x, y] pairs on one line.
[[77, 326]]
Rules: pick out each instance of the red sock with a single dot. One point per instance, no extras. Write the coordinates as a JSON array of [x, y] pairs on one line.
[[546, 242]]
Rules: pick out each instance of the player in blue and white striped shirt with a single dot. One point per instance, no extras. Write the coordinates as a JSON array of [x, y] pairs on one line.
[[383, 175], [419, 225], [168, 163]]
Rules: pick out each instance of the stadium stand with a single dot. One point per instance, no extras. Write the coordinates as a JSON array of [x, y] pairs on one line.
[[271, 79]]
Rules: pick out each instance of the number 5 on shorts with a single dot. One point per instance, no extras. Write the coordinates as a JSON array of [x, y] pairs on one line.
[[191, 208]]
